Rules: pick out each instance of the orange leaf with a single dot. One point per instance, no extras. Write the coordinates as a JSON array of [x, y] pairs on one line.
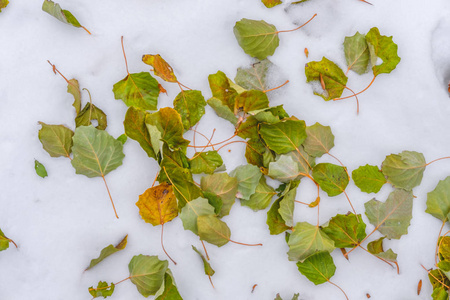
[[160, 67], [158, 204]]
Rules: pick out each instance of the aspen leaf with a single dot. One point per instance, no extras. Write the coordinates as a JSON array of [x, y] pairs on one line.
[[206, 265], [158, 205], [257, 38], [102, 290], [222, 110], [248, 129], [318, 268], [213, 230], [222, 90], [122, 138], [275, 221], [307, 239], [56, 139], [286, 209], [254, 77], [3, 4], [437, 279], [206, 162], [271, 3], [319, 140], [368, 178], [73, 87], [347, 231], [91, 112], [444, 248], [186, 191], [304, 161], [222, 185], [262, 197], [191, 107], [438, 200], [331, 178], [439, 293], [392, 217], [249, 101], [333, 78], [138, 89], [285, 136], [40, 169], [147, 273], [136, 129], [194, 209], [63, 15], [284, 169], [255, 152], [4, 241], [357, 53], [383, 47], [404, 170], [176, 164], [95, 152], [107, 251], [160, 67], [248, 178], [376, 248], [168, 290]]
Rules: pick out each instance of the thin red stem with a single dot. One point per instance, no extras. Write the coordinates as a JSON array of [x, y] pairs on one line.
[[437, 243], [354, 211], [275, 88], [124, 55], [56, 70], [86, 29], [244, 244], [112, 202], [336, 99], [338, 288], [429, 273], [204, 248], [11, 241], [209, 142], [215, 144], [299, 26], [162, 244], [437, 160], [356, 97], [229, 143]]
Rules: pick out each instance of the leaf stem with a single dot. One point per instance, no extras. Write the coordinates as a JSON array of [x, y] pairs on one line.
[[209, 142], [446, 157], [90, 107], [438, 243], [354, 211], [204, 248], [354, 95], [86, 29], [112, 202], [275, 88], [299, 26], [182, 85], [107, 287], [338, 288], [244, 244], [55, 70], [162, 244], [11, 241], [429, 273], [229, 143], [124, 55], [194, 146]]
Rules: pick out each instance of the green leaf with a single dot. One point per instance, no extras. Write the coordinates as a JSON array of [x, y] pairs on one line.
[[192, 210], [262, 197], [332, 179], [147, 273], [437, 277], [304, 161], [168, 290], [176, 164], [392, 217], [208, 269], [107, 251], [248, 177], [285, 136], [286, 209], [122, 138], [439, 293], [285, 169], [275, 221], [3, 4], [438, 200], [318, 268], [55, 10], [168, 122], [444, 248], [138, 89], [4, 241], [213, 230], [404, 170], [319, 140], [223, 186], [271, 3], [334, 79], [206, 162], [136, 129], [56, 139], [102, 290], [222, 110], [257, 38], [347, 231], [222, 90], [357, 53], [185, 191], [95, 152], [191, 107], [376, 248], [254, 77], [91, 112], [295, 297], [248, 129], [307, 239], [73, 87], [383, 47], [368, 178], [250, 101], [40, 169], [255, 152]]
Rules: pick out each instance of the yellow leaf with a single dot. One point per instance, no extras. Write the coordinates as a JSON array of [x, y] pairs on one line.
[[160, 67], [158, 205]]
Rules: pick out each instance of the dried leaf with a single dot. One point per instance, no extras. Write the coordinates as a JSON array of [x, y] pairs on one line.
[[158, 205], [160, 67]]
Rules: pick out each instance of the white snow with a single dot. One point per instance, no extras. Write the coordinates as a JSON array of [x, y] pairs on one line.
[[63, 221]]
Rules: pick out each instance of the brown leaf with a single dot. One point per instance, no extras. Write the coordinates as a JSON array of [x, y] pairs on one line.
[[158, 204], [160, 67]]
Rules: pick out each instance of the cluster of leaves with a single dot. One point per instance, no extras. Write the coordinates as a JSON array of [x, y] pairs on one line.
[[361, 52]]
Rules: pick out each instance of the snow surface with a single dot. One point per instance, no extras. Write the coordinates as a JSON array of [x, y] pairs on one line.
[[63, 221]]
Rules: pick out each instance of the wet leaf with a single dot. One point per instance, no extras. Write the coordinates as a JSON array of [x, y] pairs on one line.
[[91, 112], [107, 251], [332, 179], [318, 268], [333, 78], [438, 200], [404, 170], [222, 110], [95, 152], [376, 247], [138, 89], [147, 273], [271, 3], [307, 239], [73, 87], [63, 15], [4, 241], [191, 211], [136, 129], [56, 139], [40, 169], [223, 186], [248, 177], [158, 205], [191, 107], [392, 217], [347, 231], [206, 162], [254, 77], [249, 101], [383, 47], [357, 53], [285, 136], [213, 230], [160, 67], [319, 140], [257, 38], [208, 269], [262, 197], [368, 178], [222, 90], [168, 122], [168, 290], [102, 290]]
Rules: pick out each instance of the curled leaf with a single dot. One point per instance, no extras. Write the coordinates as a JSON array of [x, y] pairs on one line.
[[383, 47], [107, 251], [160, 67], [63, 15], [102, 290]]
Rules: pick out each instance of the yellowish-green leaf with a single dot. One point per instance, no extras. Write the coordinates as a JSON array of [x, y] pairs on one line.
[[147, 273], [73, 87], [222, 185], [404, 170], [222, 110], [56, 139], [168, 290], [332, 179], [107, 251], [213, 230], [383, 47], [318, 268], [158, 205], [249, 101], [368, 178], [332, 78], [206, 265], [4, 241], [191, 107], [262, 197], [222, 90], [438, 200], [102, 290], [206, 162], [271, 3], [136, 129], [285, 136], [138, 89], [91, 112]]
